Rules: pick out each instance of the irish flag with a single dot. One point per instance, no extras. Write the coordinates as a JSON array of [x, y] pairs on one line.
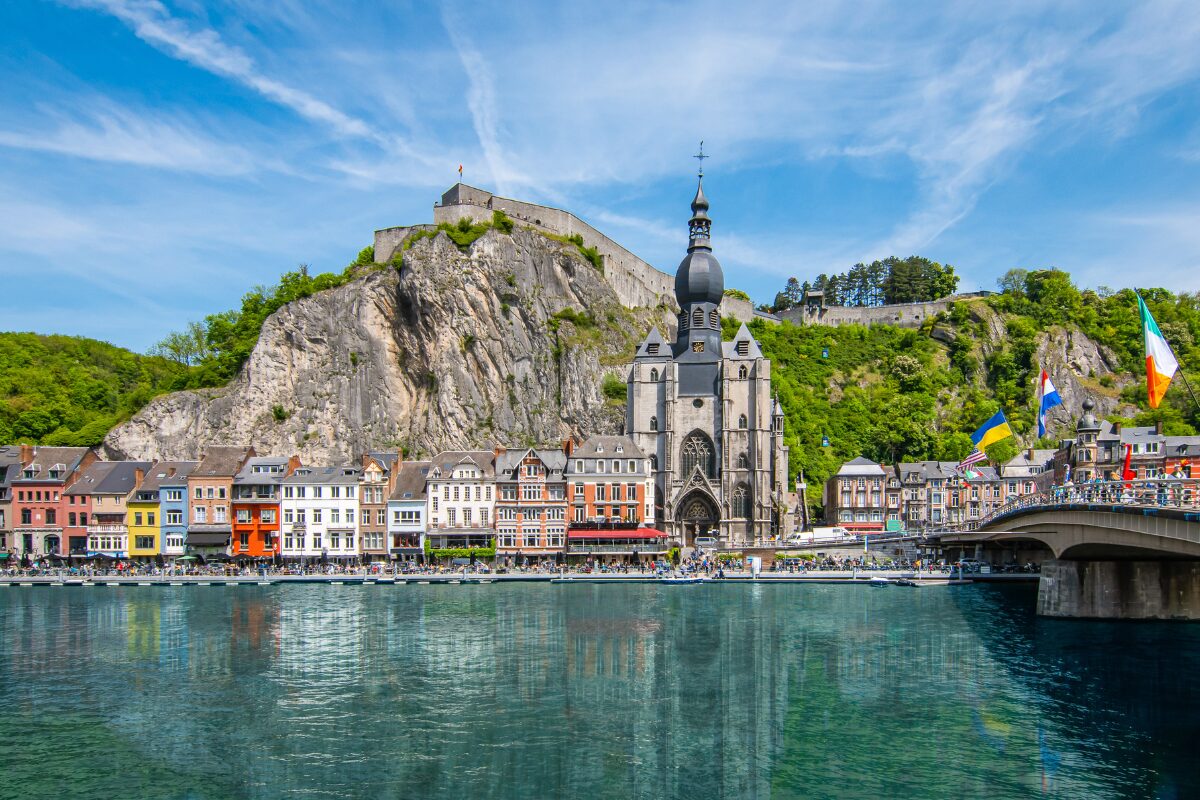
[[1160, 361]]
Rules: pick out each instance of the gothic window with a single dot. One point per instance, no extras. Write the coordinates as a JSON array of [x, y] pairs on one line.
[[654, 423], [654, 463], [743, 462], [654, 376], [714, 319], [698, 318], [742, 422], [742, 372], [698, 452], [741, 502]]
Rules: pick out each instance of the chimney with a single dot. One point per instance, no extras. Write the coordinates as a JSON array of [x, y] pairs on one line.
[[499, 451], [399, 457], [28, 451], [1116, 427], [568, 446], [292, 465], [138, 475], [1029, 455], [1158, 427], [170, 472]]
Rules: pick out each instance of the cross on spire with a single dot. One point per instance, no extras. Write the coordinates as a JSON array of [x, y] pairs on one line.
[[700, 157]]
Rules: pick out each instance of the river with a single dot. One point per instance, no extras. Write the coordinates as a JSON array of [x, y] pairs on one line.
[[596, 691]]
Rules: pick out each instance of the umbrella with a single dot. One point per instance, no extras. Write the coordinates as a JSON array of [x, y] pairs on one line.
[[221, 557], [187, 558]]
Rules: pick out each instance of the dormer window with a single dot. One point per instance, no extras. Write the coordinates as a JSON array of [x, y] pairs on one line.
[[620, 449], [652, 350], [743, 348]]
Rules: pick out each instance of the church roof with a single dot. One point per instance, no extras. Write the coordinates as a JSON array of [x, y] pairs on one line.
[[699, 278], [653, 346], [743, 335]]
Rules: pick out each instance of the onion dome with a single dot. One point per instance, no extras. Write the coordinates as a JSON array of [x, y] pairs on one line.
[[699, 278]]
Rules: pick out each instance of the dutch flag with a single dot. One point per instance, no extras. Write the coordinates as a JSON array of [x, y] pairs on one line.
[[1047, 398]]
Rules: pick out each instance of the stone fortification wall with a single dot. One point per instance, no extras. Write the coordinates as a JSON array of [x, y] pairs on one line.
[[904, 315], [635, 282]]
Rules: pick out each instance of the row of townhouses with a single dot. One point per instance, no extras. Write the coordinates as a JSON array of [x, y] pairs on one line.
[[596, 498], [866, 497]]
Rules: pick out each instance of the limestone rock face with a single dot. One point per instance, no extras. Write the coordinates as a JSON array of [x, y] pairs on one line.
[[454, 350]]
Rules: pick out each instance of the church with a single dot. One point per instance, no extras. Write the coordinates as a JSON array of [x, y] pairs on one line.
[[703, 411]]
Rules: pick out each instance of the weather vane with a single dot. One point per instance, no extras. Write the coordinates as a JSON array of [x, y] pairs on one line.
[[700, 157]]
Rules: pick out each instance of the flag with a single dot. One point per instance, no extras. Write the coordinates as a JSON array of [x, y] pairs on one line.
[[974, 457], [1048, 398], [460, 170], [1127, 473], [1160, 361], [991, 431]]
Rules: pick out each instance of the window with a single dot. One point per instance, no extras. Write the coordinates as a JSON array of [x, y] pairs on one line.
[[317, 516], [301, 492], [335, 491], [451, 516], [381, 517], [743, 349], [365, 517], [631, 466], [316, 492], [616, 466], [697, 453], [743, 422], [350, 492], [531, 471], [243, 516], [579, 490], [654, 423], [317, 544], [601, 492], [174, 518], [654, 376], [199, 493], [579, 517], [244, 539], [26, 516], [533, 492], [83, 519], [455, 492], [467, 517], [301, 516], [287, 516], [175, 494], [221, 493], [601, 464], [744, 463], [210, 492], [201, 514], [698, 318], [268, 516], [219, 514], [483, 517], [335, 516], [697, 347], [144, 542], [478, 493], [71, 519], [335, 540], [410, 517], [714, 319], [149, 517]]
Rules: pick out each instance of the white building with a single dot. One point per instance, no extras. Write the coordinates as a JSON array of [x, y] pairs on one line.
[[406, 511], [461, 499], [320, 513]]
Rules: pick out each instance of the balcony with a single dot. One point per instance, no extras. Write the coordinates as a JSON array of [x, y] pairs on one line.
[[108, 529], [615, 549]]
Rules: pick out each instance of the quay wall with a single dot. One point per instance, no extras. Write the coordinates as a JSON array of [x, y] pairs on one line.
[[1120, 589]]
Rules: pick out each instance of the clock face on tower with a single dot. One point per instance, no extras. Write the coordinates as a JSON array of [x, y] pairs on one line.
[[697, 347]]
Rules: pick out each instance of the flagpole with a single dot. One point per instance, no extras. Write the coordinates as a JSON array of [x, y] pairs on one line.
[[1182, 374]]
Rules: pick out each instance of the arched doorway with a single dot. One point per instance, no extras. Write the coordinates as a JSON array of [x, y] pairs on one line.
[[697, 516]]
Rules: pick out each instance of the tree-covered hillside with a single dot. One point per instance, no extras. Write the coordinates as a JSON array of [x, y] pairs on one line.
[[66, 390], [894, 394]]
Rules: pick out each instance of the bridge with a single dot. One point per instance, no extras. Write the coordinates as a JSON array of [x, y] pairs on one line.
[[1108, 549]]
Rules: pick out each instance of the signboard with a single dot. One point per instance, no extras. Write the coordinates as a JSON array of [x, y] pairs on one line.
[[894, 525]]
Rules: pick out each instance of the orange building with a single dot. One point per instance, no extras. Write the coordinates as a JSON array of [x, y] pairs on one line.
[[610, 487], [256, 498]]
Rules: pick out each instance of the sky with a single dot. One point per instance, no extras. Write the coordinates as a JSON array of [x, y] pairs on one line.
[[158, 159]]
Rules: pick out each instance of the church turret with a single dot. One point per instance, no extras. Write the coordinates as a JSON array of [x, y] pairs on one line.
[[699, 288]]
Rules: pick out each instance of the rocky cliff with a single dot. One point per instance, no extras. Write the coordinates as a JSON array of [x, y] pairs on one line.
[[507, 342]]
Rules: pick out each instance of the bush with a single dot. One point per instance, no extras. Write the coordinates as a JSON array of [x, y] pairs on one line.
[[737, 294], [614, 389], [280, 413]]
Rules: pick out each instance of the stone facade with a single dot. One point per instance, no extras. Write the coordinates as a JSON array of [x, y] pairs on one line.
[[702, 410]]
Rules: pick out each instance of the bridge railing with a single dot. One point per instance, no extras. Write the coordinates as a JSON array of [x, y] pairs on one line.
[[1183, 493]]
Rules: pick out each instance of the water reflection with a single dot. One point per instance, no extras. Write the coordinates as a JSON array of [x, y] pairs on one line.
[[581, 690]]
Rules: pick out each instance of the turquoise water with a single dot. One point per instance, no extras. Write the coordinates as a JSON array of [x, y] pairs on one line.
[[531, 691]]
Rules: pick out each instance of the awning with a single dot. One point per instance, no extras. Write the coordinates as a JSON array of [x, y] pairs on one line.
[[406, 551], [207, 539], [640, 533]]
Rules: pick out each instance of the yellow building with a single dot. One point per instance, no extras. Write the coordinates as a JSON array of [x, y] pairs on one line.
[[143, 518]]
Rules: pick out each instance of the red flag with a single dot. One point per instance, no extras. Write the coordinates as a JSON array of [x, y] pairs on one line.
[[460, 170], [1127, 474]]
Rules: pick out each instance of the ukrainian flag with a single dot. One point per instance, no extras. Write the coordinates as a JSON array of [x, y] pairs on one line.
[[992, 431]]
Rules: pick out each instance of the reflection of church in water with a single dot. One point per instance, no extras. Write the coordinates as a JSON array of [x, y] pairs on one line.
[[702, 409]]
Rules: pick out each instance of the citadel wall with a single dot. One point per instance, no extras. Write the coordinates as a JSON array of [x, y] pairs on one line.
[[902, 315]]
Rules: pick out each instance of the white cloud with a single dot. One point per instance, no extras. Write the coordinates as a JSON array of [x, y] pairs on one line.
[[101, 131]]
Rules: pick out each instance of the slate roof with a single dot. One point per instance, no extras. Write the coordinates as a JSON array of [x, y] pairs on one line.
[[47, 457], [248, 477], [861, 466], [608, 445], [509, 461], [159, 475], [331, 476], [109, 477], [447, 460], [654, 338], [221, 462], [729, 349], [410, 480]]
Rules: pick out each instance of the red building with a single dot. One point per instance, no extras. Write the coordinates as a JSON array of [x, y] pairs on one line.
[[531, 504], [255, 502], [39, 508], [610, 487]]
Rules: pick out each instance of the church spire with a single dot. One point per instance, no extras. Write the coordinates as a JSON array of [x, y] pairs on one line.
[[699, 226]]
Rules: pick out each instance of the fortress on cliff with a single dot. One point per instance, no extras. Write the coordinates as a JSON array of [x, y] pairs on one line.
[[637, 283]]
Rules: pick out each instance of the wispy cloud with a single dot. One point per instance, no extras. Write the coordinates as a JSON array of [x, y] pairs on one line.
[[152, 22], [101, 131]]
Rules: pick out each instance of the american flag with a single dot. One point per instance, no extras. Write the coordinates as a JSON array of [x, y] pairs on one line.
[[974, 457]]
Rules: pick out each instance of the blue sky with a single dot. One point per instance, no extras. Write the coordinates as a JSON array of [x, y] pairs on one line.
[[157, 159]]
